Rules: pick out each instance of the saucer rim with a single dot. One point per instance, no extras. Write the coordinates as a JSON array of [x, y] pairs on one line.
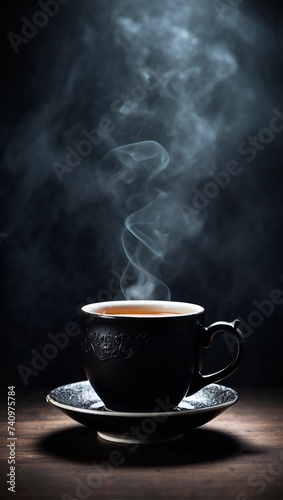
[[153, 414]]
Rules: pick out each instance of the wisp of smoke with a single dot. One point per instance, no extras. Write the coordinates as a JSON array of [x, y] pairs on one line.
[[176, 80], [205, 93], [134, 170]]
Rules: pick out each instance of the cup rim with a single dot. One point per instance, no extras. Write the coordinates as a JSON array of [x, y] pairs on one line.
[[169, 309]]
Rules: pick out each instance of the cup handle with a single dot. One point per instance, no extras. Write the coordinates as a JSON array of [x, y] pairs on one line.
[[208, 334]]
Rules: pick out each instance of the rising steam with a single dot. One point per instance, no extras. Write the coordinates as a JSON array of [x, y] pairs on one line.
[[201, 95], [170, 73], [149, 225]]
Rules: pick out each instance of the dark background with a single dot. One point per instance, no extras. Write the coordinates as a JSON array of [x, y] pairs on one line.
[[60, 241]]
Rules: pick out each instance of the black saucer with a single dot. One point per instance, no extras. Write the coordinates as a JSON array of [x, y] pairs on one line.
[[81, 403]]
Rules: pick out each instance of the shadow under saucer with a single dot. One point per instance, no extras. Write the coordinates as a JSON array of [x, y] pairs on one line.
[[83, 445]]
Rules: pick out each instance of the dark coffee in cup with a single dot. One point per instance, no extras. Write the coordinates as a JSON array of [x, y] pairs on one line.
[[139, 353]]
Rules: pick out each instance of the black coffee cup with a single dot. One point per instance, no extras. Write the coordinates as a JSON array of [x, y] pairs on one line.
[[139, 353]]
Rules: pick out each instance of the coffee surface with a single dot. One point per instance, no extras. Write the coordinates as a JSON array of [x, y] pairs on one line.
[[125, 311]]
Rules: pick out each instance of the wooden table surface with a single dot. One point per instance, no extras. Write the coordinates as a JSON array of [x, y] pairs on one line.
[[239, 455]]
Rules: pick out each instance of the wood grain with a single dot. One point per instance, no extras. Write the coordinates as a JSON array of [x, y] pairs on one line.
[[237, 456]]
